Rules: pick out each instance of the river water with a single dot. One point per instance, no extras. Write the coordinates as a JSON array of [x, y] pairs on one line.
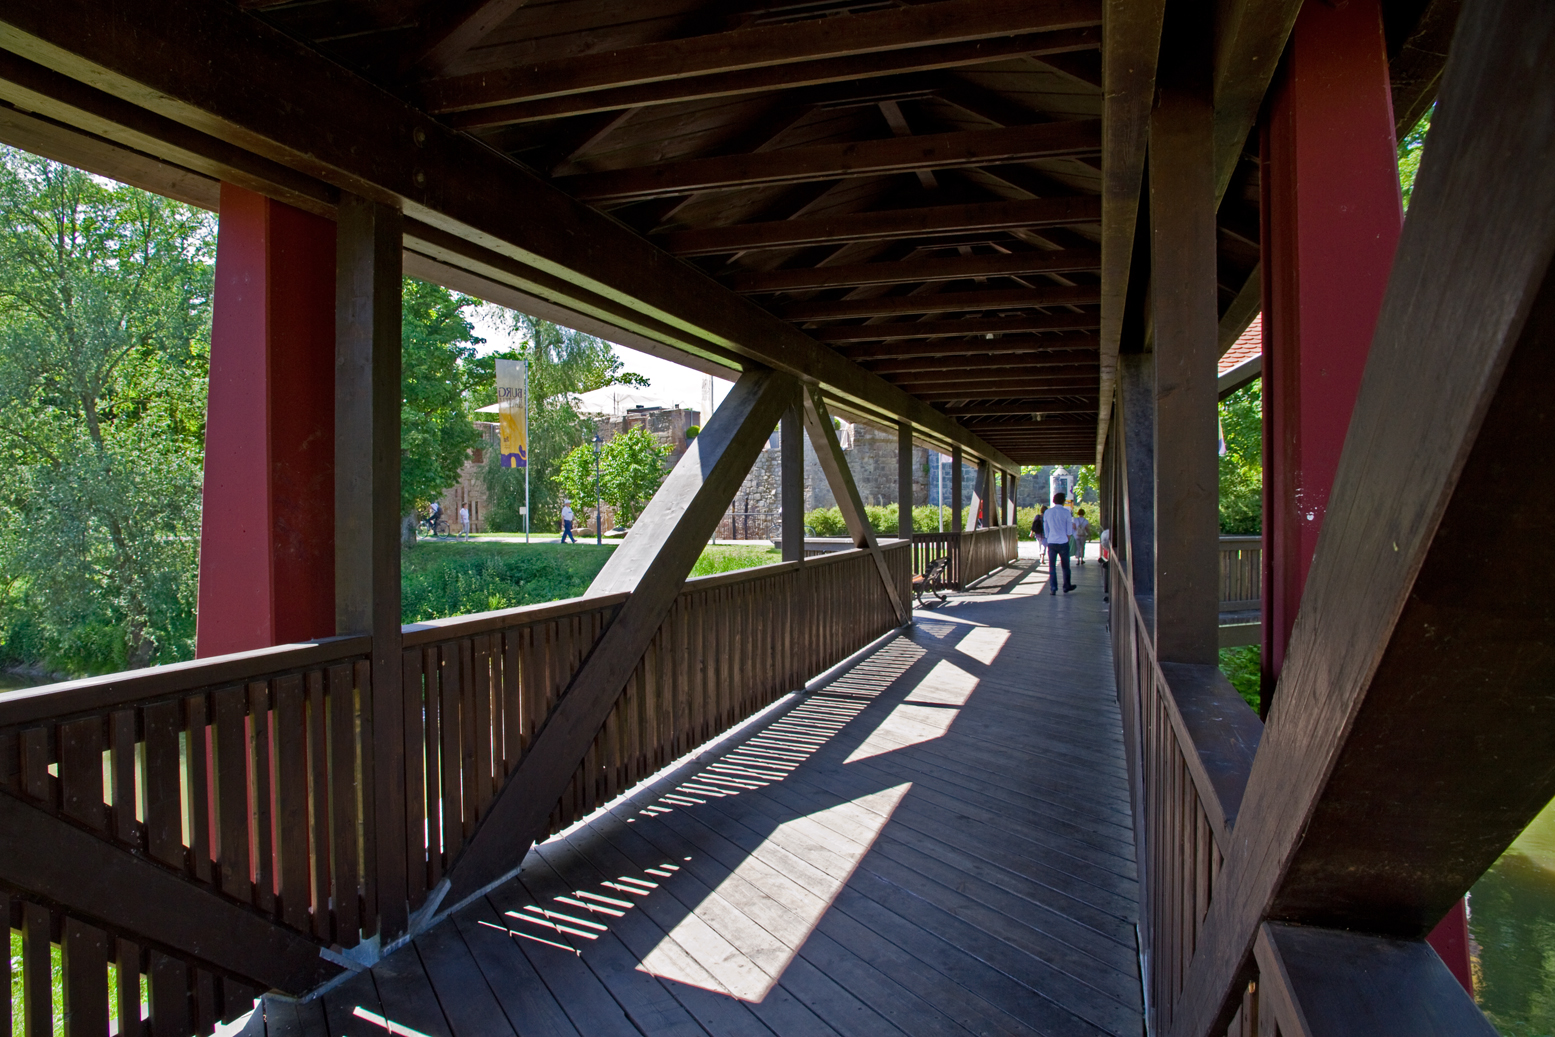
[[1512, 933]]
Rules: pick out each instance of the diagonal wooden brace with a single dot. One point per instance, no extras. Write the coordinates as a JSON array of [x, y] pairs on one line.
[[97, 882], [823, 434], [651, 565]]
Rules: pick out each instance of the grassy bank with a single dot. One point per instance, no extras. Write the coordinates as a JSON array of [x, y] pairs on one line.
[[455, 579]]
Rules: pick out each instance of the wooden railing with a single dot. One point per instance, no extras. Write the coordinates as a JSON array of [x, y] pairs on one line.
[[973, 553], [1241, 573], [1190, 741], [210, 825]]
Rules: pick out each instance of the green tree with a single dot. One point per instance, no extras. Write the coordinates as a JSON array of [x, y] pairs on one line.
[[631, 469], [105, 296], [562, 364], [575, 478], [437, 345], [1409, 151], [1241, 466]]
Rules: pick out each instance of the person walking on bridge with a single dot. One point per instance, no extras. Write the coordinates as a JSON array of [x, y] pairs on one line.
[[1057, 528]]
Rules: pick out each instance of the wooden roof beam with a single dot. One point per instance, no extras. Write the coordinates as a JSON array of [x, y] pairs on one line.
[[808, 74], [1014, 373], [838, 161], [1004, 344], [943, 302], [450, 36], [1029, 408], [1004, 390], [1129, 54], [952, 21], [958, 328], [982, 365], [888, 225], [911, 271]]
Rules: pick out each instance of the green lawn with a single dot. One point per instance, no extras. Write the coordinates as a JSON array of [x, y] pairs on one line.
[[454, 578]]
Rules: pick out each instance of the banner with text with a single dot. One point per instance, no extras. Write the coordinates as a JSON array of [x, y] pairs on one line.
[[513, 412]]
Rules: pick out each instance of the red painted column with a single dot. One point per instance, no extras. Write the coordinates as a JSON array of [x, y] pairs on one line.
[[267, 537], [1332, 214], [1331, 219]]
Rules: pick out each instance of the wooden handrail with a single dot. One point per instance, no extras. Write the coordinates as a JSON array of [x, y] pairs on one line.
[[66, 698], [227, 788]]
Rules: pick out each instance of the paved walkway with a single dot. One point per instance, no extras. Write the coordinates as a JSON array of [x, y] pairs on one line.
[[935, 843]]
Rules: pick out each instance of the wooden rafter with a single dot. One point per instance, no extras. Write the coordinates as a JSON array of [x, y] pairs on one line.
[[836, 161], [953, 21], [779, 77], [888, 225], [944, 302], [958, 328], [909, 271], [1004, 344]]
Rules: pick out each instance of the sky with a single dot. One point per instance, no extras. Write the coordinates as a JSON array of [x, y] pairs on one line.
[[668, 381]]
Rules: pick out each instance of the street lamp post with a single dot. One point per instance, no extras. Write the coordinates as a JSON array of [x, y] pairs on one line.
[[599, 532]]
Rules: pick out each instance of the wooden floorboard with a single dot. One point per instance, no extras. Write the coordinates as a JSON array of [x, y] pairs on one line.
[[937, 843]]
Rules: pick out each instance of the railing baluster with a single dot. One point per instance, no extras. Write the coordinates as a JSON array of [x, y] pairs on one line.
[[340, 698]]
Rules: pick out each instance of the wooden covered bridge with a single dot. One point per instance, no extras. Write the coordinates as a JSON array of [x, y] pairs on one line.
[[1018, 231]]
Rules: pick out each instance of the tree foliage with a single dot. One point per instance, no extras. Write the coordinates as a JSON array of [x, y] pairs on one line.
[[630, 468], [1410, 149], [105, 296], [1241, 466], [562, 364], [437, 364]]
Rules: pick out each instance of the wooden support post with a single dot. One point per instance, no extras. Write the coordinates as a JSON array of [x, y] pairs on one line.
[[367, 517], [266, 536], [651, 564], [1183, 308], [1331, 216], [955, 489], [1314, 981], [823, 435], [1136, 401], [791, 442], [904, 480], [1369, 806], [979, 495]]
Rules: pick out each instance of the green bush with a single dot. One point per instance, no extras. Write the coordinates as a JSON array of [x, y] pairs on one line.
[[438, 580], [825, 522], [1240, 665], [721, 559]]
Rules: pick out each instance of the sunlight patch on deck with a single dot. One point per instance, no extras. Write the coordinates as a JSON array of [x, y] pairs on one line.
[[926, 713], [983, 643], [751, 972]]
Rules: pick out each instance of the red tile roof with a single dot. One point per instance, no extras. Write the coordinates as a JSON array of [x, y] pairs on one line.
[[1248, 345]]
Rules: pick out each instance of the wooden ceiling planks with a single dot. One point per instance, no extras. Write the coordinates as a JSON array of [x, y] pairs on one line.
[[883, 177]]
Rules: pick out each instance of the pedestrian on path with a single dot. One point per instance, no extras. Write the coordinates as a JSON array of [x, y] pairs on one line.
[[1057, 528], [464, 520], [567, 517], [1082, 532]]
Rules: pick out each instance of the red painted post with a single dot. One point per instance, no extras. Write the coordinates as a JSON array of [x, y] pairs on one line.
[[1332, 214], [1331, 219], [267, 538]]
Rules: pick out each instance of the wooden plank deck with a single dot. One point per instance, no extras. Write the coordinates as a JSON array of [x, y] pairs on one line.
[[936, 843]]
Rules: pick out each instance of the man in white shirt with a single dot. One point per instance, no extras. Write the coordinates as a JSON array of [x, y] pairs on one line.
[[567, 517], [464, 520], [1057, 528]]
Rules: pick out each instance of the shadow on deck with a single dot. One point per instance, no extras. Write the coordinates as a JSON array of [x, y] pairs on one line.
[[938, 841]]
